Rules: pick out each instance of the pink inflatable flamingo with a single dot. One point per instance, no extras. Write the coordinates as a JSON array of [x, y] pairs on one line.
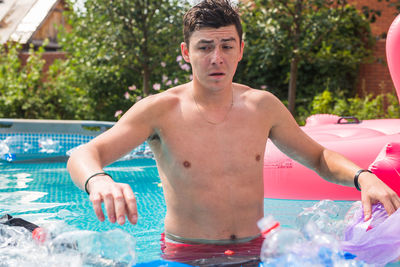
[[387, 166], [393, 53]]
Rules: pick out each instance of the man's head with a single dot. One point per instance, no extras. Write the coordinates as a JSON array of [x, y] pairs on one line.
[[212, 14]]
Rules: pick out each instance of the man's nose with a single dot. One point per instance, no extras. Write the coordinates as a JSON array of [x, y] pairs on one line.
[[217, 57]]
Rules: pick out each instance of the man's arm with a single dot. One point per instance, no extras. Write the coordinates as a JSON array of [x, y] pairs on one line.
[[332, 166], [129, 132]]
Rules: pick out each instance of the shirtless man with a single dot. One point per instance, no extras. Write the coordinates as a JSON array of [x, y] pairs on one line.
[[209, 137]]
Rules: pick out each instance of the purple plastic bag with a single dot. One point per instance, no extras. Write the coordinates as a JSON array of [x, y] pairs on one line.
[[376, 241]]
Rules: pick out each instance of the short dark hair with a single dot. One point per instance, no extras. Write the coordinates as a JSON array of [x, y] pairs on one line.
[[213, 14]]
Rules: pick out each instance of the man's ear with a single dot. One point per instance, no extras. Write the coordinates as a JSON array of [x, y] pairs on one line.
[[241, 50], [185, 52]]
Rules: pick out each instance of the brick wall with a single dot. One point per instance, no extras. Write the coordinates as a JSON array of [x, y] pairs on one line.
[[375, 77]]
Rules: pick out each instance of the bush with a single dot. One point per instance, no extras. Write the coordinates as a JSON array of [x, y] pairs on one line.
[[369, 107], [26, 91]]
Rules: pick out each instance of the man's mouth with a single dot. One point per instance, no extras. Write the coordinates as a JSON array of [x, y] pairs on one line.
[[217, 74]]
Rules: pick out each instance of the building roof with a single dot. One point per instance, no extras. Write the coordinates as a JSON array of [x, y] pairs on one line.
[[20, 19]]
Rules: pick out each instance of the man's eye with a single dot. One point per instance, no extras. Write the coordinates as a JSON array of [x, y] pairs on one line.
[[204, 48], [228, 47]]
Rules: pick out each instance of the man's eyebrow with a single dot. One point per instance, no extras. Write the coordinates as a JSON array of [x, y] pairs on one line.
[[229, 39], [203, 41]]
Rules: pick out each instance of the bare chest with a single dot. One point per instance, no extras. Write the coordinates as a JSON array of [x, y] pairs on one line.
[[191, 143]]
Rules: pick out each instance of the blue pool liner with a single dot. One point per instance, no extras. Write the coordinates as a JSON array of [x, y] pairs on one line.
[[161, 263]]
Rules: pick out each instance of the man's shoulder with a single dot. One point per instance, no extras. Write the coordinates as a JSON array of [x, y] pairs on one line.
[[256, 95], [166, 99]]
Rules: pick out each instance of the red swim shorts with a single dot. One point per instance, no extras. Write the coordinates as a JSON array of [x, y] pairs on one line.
[[189, 252]]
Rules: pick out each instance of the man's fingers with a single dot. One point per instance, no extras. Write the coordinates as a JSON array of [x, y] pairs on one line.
[[109, 205], [396, 202], [119, 204], [119, 201], [131, 207], [389, 207], [96, 201], [391, 202], [367, 209]]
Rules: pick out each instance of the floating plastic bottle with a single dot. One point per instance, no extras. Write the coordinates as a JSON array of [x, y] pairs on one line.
[[49, 146], [141, 152], [13, 146], [9, 157], [26, 244]]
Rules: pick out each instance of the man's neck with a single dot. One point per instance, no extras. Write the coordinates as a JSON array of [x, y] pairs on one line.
[[212, 96]]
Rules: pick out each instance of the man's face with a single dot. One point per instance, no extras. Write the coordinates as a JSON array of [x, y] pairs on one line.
[[214, 55]]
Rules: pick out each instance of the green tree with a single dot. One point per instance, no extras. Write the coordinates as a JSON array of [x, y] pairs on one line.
[[305, 44], [124, 44]]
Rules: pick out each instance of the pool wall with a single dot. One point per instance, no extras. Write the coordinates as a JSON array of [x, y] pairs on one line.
[[91, 128], [52, 140], [45, 139]]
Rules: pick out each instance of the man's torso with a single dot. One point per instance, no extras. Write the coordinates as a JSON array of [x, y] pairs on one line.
[[212, 174]]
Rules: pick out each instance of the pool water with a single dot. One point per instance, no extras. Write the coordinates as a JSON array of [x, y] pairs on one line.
[[43, 193]]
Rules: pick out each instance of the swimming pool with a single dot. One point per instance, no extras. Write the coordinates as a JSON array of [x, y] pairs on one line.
[[44, 194], [38, 188]]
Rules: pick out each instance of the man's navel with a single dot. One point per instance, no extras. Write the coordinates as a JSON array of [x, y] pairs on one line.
[[186, 164], [258, 157]]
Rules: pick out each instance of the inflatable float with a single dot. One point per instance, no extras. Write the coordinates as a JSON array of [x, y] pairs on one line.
[[359, 141]]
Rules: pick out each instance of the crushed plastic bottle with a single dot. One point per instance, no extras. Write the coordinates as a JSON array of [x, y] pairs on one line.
[[312, 244], [12, 146], [3, 148], [325, 216], [18, 144], [57, 247], [49, 146], [9, 157], [97, 248], [141, 152]]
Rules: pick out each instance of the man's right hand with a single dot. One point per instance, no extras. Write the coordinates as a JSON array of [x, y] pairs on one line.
[[118, 198]]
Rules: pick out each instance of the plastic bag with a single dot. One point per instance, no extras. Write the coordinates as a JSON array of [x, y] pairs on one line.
[[376, 241]]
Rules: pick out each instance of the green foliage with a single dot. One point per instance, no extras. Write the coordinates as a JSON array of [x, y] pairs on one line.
[[370, 107], [331, 45], [27, 92], [125, 50], [120, 51]]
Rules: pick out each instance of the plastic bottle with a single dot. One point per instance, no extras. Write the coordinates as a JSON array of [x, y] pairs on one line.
[[9, 157]]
